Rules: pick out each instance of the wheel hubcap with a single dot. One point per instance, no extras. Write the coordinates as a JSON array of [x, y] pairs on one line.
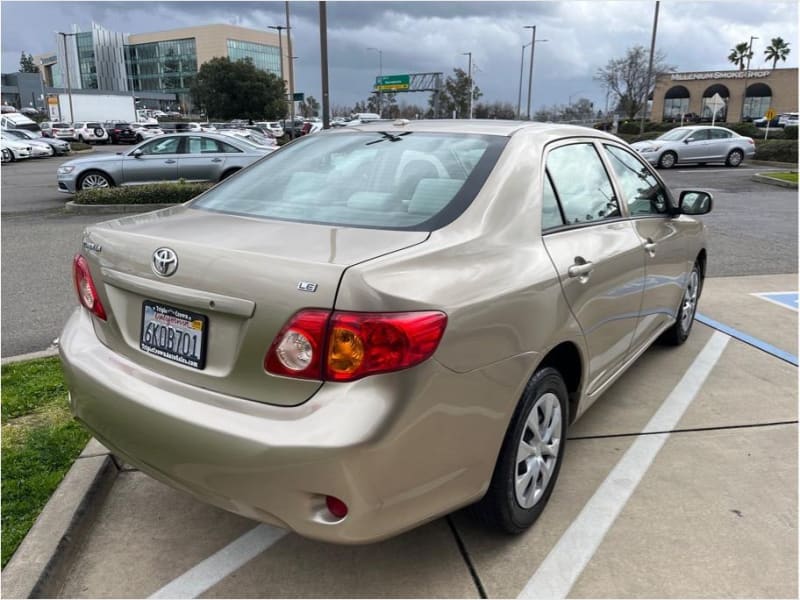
[[736, 158], [537, 453], [668, 160], [689, 301], [94, 181]]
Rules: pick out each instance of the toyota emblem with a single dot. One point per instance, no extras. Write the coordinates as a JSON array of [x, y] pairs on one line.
[[165, 262]]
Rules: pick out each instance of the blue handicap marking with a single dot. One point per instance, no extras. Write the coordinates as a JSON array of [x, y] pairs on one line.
[[787, 299]]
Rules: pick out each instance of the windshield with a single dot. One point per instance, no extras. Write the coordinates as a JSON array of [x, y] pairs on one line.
[[674, 135], [408, 180]]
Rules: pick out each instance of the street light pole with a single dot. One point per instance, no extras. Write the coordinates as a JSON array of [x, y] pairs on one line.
[[323, 45], [519, 94], [279, 28], [69, 84], [469, 68], [530, 70], [291, 66], [649, 68], [380, 76]]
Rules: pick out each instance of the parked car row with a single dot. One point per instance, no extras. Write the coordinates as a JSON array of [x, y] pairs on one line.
[[19, 144], [782, 120]]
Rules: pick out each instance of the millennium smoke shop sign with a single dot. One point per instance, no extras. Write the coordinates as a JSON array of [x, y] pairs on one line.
[[720, 75]]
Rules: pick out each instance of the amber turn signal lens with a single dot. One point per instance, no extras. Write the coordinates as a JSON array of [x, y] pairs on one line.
[[345, 351]]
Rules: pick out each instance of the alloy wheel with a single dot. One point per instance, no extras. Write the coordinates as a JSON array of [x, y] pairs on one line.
[[689, 301], [94, 181]]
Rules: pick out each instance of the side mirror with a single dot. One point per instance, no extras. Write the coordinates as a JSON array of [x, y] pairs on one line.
[[695, 203], [136, 153], [687, 140]]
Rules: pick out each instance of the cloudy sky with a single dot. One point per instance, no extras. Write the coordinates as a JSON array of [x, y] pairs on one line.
[[431, 36]]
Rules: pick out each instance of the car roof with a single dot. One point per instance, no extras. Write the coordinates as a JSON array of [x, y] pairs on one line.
[[506, 128]]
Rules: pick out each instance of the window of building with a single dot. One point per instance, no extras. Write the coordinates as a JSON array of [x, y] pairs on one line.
[[86, 60], [169, 65], [757, 101], [676, 102], [722, 90], [264, 57]]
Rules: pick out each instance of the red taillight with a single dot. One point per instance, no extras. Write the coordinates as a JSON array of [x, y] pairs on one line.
[[84, 285], [354, 344]]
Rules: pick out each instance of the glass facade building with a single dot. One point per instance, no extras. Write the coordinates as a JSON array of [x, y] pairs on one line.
[[86, 60], [168, 66], [264, 57]]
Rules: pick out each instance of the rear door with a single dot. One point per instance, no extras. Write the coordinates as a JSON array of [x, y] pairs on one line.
[[720, 143], [157, 162], [203, 158], [597, 254]]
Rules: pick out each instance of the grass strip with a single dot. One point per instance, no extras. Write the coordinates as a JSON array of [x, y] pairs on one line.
[[792, 177], [40, 442]]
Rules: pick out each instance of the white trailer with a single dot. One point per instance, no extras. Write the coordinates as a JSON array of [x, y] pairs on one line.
[[97, 107]]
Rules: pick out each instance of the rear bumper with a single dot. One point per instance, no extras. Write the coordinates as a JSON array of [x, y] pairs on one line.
[[398, 450]]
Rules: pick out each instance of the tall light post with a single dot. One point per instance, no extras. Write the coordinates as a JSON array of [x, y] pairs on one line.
[[279, 28], [649, 68], [380, 76], [291, 66], [519, 94], [530, 70], [469, 76], [66, 60]]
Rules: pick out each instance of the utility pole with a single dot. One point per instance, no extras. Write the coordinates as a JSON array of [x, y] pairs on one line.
[[291, 66], [469, 68], [747, 73], [530, 70], [323, 49], [69, 85], [649, 68], [519, 94]]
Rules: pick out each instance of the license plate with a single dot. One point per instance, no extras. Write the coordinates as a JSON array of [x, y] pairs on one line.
[[175, 334]]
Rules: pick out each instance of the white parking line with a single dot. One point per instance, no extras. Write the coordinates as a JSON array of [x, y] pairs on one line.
[[700, 171], [567, 559], [218, 566]]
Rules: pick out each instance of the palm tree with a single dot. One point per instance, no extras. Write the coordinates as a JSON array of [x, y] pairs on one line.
[[777, 50], [740, 54]]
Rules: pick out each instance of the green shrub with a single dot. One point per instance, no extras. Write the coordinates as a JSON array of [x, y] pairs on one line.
[[790, 132], [79, 146], [747, 129], [156, 193], [777, 150], [647, 135], [628, 127]]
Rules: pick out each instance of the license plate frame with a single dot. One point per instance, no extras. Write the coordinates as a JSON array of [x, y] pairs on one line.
[[174, 327]]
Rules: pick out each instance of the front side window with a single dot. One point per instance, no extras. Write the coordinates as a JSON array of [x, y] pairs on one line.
[[641, 191], [162, 146], [407, 180], [582, 184], [700, 135]]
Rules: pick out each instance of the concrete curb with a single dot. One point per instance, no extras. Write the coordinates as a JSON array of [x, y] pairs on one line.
[[45, 556], [30, 356], [773, 163], [760, 178], [101, 209]]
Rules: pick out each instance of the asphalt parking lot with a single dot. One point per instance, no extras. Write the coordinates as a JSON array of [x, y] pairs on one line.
[[680, 482]]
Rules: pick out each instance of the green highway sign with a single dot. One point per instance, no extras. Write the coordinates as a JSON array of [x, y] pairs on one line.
[[392, 83]]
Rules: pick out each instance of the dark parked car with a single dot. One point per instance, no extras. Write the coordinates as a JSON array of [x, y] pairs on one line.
[[120, 132]]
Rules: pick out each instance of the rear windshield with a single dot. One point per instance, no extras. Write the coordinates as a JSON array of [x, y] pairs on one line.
[[61, 125], [411, 180], [93, 125]]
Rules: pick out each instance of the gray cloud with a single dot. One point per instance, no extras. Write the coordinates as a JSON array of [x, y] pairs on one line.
[[430, 36]]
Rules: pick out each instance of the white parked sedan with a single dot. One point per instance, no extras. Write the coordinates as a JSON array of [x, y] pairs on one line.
[[697, 144], [16, 148], [37, 149], [145, 131]]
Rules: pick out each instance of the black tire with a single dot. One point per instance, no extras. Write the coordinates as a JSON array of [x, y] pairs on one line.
[[93, 173], [227, 174], [500, 507], [667, 160], [680, 330], [139, 138], [13, 158], [734, 158]]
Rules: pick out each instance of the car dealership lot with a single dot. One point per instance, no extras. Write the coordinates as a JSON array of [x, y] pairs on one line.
[[714, 514]]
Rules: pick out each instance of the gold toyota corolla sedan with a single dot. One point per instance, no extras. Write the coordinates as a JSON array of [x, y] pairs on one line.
[[377, 325]]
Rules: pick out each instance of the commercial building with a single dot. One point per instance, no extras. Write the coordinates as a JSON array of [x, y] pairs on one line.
[[149, 65], [747, 94]]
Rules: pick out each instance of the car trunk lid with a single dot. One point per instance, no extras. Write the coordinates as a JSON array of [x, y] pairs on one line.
[[238, 280]]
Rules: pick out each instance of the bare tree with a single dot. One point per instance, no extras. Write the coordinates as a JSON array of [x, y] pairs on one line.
[[626, 77]]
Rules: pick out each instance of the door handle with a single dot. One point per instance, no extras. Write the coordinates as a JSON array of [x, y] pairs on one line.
[[216, 160], [170, 162], [580, 269], [650, 247]]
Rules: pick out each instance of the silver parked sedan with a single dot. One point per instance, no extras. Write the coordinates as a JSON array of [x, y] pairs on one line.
[[192, 157], [697, 144], [379, 324]]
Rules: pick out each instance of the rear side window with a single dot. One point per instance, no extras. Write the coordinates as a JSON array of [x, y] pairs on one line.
[[551, 213], [406, 180], [582, 184], [720, 134]]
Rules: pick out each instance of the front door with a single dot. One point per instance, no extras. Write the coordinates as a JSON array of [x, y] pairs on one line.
[[666, 268], [697, 146], [158, 161], [598, 257]]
